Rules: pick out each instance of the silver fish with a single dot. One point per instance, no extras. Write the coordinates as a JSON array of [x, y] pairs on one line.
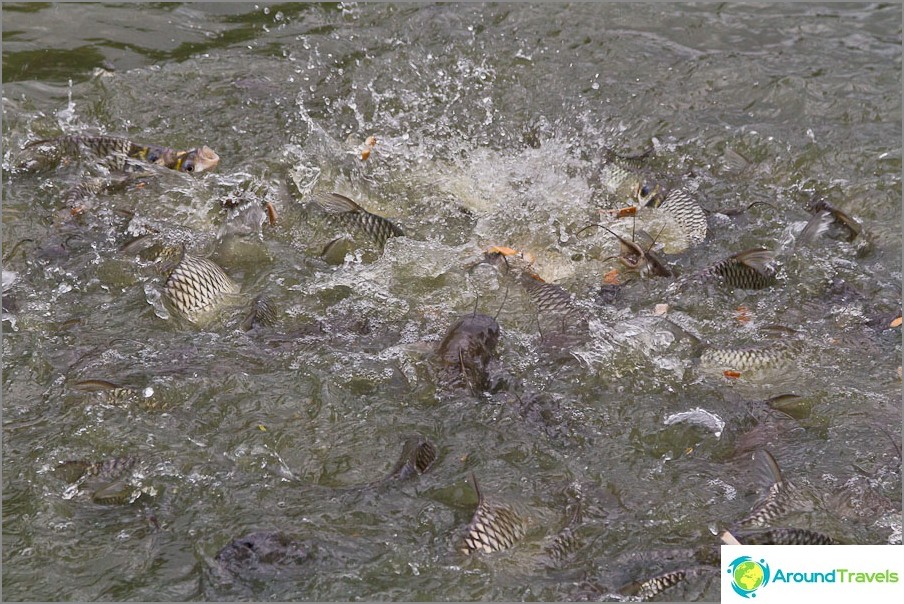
[[262, 312], [494, 527], [686, 212], [197, 286], [781, 499], [649, 588], [565, 541], [771, 355], [750, 269], [351, 215], [548, 297]]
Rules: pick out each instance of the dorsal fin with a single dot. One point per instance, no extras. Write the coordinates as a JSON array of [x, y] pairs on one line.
[[334, 203], [758, 259]]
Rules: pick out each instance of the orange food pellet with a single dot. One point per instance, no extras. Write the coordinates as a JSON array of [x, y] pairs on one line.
[[629, 211], [611, 278], [896, 323], [731, 374]]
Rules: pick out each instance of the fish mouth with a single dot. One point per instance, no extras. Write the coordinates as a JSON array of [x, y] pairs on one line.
[[206, 159]]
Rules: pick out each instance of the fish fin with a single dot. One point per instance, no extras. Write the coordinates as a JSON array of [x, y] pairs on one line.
[[116, 492], [759, 259], [477, 489], [768, 472], [334, 203], [734, 161], [818, 225]]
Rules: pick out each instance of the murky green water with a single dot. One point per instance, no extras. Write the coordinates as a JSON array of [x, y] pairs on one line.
[[490, 123]]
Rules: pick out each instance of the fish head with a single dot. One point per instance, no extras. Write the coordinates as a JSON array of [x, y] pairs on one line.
[[649, 193], [198, 160]]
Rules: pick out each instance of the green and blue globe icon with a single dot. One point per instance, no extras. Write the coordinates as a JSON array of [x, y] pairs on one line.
[[748, 575]]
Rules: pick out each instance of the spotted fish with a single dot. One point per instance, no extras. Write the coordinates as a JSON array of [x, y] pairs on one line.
[[750, 269], [418, 455], [494, 527], [115, 152], [752, 358], [352, 216], [781, 499], [108, 481], [649, 588], [197, 286], [783, 536]]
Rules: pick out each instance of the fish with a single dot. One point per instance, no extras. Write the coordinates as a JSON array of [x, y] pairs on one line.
[[418, 455], [467, 350], [750, 269], [817, 226], [624, 175], [649, 588], [107, 480], [548, 297], [352, 216], [685, 210], [771, 355], [781, 499], [633, 256], [850, 226], [89, 187], [261, 554], [565, 541], [197, 286], [494, 527], [783, 536], [262, 311], [116, 152]]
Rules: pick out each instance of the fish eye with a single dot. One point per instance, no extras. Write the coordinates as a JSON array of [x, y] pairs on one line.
[[644, 191], [188, 167]]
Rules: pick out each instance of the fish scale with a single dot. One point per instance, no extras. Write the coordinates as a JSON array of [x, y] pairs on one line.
[[751, 358], [649, 588], [783, 536], [782, 498], [494, 527], [197, 285], [418, 455], [687, 213], [548, 297], [351, 215], [750, 269]]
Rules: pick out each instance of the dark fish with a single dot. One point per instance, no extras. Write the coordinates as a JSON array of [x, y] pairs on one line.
[[418, 455], [750, 269], [781, 499], [95, 385], [350, 215], [261, 554], [686, 212], [752, 358], [262, 312], [467, 350], [566, 541], [494, 527], [783, 536], [638, 255], [116, 151], [107, 480], [197, 286], [649, 588], [851, 227]]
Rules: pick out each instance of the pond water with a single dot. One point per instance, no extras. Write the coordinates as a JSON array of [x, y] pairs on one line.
[[492, 125]]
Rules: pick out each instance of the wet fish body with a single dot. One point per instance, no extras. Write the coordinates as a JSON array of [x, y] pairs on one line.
[[649, 588], [261, 312], [493, 528], [261, 554], [352, 216], [548, 297], [850, 226], [750, 269], [783, 536], [107, 480], [467, 350], [197, 286], [418, 455], [116, 152], [686, 212], [752, 358], [781, 499]]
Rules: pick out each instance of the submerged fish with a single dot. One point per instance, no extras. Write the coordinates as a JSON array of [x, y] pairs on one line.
[[467, 350], [566, 541], [783, 536], [197, 286], [494, 527], [750, 269], [781, 499], [116, 151], [418, 455], [262, 312], [108, 481], [261, 554], [350, 215], [99, 184], [648, 588]]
